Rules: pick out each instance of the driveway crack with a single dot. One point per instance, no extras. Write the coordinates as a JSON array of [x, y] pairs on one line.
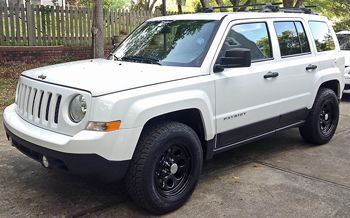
[[302, 175], [93, 210]]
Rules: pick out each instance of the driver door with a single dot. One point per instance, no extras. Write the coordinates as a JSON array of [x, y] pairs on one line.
[[247, 99]]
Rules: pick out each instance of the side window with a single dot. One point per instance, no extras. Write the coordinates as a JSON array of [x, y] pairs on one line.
[[304, 42], [291, 38], [322, 36], [253, 36]]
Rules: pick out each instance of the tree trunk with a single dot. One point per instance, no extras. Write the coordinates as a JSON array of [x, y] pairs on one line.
[[152, 5], [248, 2], [288, 3], [98, 30], [179, 6], [234, 2], [220, 4], [205, 3], [299, 3]]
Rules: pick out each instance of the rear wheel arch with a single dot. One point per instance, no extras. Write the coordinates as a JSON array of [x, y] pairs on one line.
[[333, 85]]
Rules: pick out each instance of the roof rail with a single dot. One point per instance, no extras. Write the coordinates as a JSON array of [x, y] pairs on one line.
[[266, 8]]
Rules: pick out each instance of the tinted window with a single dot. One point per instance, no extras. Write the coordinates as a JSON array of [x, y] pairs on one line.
[[305, 47], [253, 36], [344, 41], [292, 38], [322, 36]]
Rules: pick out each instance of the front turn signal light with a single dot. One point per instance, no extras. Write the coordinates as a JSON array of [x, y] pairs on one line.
[[103, 126]]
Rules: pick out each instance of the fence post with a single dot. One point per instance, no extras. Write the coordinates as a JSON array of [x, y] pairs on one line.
[[30, 23]]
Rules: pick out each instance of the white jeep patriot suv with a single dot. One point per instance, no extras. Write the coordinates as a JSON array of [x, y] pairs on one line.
[[177, 91]]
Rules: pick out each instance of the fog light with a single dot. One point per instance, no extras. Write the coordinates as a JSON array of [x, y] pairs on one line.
[[45, 162]]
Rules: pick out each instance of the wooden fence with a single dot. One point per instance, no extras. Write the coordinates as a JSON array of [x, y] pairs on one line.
[[33, 25]]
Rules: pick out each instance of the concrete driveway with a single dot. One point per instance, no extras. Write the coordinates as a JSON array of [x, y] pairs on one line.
[[281, 176]]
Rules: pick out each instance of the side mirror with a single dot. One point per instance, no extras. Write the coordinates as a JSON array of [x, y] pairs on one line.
[[237, 57]]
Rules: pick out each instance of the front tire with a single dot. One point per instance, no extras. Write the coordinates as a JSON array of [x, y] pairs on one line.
[[165, 167], [323, 118]]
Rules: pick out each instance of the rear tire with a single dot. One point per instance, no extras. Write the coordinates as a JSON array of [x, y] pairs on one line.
[[165, 167], [323, 118]]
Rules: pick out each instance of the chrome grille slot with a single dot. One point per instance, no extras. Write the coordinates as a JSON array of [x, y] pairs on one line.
[[57, 108], [21, 98], [48, 107], [30, 103], [45, 105], [25, 101], [28, 99], [40, 103]]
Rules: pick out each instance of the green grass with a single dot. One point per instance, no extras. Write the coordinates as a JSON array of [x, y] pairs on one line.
[[7, 92]]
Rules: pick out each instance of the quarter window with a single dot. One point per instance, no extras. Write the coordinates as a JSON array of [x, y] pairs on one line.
[[292, 38], [322, 35], [252, 36]]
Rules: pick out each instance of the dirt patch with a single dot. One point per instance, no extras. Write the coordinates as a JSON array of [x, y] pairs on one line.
[[12, 70], [7, 92], [9, 73]]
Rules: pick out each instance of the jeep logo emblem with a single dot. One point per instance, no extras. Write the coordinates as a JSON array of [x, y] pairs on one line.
[[42, 76]]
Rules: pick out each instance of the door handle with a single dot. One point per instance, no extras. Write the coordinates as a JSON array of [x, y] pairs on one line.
[[271, 75], [311, 67]]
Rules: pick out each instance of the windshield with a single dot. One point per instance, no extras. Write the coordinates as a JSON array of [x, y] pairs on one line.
[[344, 41], [172, 43]]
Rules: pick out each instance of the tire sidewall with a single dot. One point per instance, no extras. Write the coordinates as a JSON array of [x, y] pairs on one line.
[[187, 138], [325, 97]]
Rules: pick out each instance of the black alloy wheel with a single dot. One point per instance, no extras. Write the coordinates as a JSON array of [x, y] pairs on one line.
[[173, 170], [165, 168]]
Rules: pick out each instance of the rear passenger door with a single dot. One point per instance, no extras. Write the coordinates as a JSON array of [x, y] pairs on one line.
[[298, 68]]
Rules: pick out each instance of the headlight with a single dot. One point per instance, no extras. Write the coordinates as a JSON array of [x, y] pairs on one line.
[[77, 108]]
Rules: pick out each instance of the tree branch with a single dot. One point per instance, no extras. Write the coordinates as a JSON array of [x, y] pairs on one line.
[[152, 5], [220, 4], [299, 3]]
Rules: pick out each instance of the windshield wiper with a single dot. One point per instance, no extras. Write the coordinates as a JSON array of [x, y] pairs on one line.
[[141, 59]]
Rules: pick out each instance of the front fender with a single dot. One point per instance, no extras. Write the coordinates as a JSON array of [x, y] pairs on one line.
[[145, 109]]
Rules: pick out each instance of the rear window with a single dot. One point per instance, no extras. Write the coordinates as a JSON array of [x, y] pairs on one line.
[[322, 35], [292, 38]]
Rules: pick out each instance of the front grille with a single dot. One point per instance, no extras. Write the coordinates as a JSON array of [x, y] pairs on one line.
[[41, 106], [46, 105], [347, 87]]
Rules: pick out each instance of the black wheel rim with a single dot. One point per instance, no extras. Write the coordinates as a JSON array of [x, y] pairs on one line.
[[327, 118], [172, 171]]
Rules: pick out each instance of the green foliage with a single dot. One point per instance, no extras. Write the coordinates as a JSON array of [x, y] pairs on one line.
[[115, 4], [342, 24], [110, 4], [336, 10]]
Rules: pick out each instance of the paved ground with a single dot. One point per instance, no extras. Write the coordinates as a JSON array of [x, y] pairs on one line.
[[276, 177]]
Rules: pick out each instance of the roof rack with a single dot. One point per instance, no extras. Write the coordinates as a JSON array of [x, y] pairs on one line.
[[265, 8]]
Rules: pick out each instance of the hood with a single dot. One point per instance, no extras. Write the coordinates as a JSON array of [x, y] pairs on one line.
[[100, 76]]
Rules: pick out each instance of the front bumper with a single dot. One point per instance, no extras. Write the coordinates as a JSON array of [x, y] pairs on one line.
[[347, 84], [80, 164], [105, 154], [347, 81]]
